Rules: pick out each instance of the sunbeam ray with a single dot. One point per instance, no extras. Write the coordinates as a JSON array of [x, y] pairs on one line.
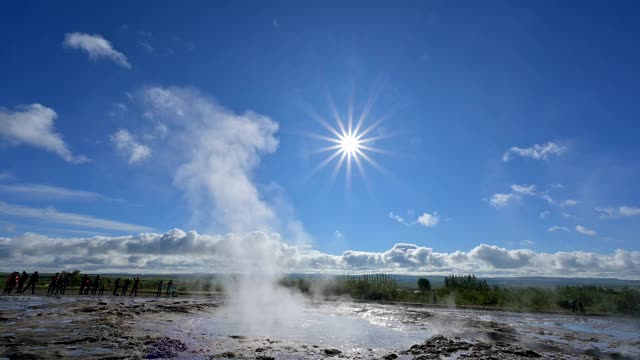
[[325, 149], [336, 169], [324, 163]]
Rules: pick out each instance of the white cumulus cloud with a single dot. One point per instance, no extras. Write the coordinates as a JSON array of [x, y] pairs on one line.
[[583, 230], [611, 212], [629, 210], [33, 125], [96, 46], [518, 192], [501, 200], [524, 189], [429, 220], [606, 212], [426, 219], [397, 218], [538, 152], [129, 146]]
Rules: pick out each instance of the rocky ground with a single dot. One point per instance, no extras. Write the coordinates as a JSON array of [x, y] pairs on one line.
[[113, 328], [87, 329]]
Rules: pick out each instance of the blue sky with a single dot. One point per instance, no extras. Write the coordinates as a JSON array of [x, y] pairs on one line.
[[507, 124]]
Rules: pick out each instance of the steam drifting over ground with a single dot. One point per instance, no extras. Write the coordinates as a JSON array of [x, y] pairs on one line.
[[268, 254]]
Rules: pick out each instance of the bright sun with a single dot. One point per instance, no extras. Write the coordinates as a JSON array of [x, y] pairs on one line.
[[350, 144]]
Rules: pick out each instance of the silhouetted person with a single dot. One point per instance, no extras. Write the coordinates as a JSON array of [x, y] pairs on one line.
[[125, 287], [102, 286], [53, 284], [170, 288], [87, 285], [23, 279], [160, 286], [581, 307], [12, 281], [59, 284], [16, 280], [136, 284], [33, 280], [574, 306], [116, 286], [65, 284], [82, 284], [96, 284], [435, 301], [7, 284]]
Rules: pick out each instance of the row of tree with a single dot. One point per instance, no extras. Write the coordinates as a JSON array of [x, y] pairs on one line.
[[469, 290], [368, 287]]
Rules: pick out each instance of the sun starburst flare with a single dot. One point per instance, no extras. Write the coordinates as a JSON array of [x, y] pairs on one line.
[[349, 144]]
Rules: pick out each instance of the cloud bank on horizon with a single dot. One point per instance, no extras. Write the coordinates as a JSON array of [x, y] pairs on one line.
[[190, 252]]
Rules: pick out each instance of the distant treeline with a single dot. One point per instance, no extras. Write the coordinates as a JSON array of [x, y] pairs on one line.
[[365, 287], [469, 290]]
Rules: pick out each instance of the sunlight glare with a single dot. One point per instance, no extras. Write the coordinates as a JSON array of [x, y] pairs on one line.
[[349, 144]]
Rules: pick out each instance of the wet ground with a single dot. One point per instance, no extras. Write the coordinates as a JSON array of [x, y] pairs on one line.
[[121, 328]]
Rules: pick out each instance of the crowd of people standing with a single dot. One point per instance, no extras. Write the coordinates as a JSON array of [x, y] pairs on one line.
[[170, 289], [17, 281], [61, 282], [576, 306]]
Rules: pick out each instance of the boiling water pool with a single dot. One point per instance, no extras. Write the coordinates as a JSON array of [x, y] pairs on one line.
[[342, 327], [354, 327]]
